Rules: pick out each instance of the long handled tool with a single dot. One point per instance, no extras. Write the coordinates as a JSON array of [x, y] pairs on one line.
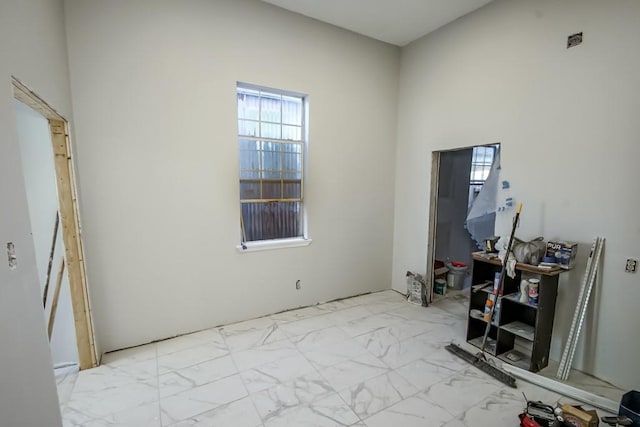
[[480, 360], [503, 270]]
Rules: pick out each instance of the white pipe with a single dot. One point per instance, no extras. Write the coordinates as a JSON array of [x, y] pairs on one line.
[[563, 389]]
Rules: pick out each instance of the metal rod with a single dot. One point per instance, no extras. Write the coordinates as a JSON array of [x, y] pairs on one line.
[[565, 366], [574, 321], [585, 305], [563, 389]]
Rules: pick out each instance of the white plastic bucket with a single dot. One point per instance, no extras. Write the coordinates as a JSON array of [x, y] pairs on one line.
[[456, 276]]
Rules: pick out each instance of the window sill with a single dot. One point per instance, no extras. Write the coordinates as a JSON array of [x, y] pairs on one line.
[[268, 245]]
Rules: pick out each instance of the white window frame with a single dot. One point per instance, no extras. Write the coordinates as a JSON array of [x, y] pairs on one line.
[[476, 185], [279, 243]]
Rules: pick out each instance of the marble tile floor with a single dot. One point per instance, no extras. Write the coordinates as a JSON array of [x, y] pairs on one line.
[[456, 302], [368, 361]]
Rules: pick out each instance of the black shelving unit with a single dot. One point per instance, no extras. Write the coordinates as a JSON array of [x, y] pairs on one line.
[[520, 333]]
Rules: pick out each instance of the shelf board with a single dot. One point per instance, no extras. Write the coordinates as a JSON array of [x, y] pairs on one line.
[[489, 348], [482, 256], [514, 298], [520, 329], [482, 287], [481, 319], [440, 271], [524, 362]]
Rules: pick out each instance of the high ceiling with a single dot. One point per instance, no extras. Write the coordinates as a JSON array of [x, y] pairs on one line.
[[398, 22]]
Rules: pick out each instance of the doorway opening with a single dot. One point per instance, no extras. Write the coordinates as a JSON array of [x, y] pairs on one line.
[[63, 268], [457, 178]]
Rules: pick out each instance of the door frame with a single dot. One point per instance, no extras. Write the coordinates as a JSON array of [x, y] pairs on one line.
[[69, 221], [433, 221], [433, 211]]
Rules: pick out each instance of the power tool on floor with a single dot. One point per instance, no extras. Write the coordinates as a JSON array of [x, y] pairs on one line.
[[538, 414]]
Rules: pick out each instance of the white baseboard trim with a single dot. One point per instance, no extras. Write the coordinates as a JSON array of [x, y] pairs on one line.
[[564, 389]]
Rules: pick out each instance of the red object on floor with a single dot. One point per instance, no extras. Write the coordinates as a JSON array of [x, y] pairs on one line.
[[525, 421]]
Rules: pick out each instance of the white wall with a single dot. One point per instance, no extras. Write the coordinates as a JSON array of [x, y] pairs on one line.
[[32, 48], [42, 198], [568, 123], [154, 99]]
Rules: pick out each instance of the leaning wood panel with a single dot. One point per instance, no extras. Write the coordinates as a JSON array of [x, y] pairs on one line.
[[73, 250], [50, 265], [56, 297], [433, 222]]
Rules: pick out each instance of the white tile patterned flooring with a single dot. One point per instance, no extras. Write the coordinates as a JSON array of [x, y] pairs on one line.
[[372, 360]]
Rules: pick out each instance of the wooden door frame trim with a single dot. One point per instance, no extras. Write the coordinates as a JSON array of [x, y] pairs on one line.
[[433, 211], [69, 221], [433, 221]]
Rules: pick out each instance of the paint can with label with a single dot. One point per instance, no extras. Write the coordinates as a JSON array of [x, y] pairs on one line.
[[440, 287], [496, 284], [487, 307], [534, 285]]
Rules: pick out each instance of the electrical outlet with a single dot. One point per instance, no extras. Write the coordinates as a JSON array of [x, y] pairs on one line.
[[632, 265], [298, 284]]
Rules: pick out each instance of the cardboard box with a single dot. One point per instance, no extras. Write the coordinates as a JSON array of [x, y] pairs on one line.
[[578, 417], [563, 252]]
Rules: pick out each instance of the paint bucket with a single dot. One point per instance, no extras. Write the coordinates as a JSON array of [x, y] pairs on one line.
[[533, 286], [456, 275], [440, 287]]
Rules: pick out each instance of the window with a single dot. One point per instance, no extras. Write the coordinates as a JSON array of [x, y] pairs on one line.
[[271, 144], [481, 162]]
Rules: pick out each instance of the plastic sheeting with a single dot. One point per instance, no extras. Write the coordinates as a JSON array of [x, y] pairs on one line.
[[481, 219]]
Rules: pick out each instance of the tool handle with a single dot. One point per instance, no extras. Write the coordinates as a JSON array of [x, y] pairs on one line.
[[503, 270]]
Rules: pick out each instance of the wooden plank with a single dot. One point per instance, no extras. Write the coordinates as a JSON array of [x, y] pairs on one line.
[[50, 265], [433, 222], [478, 256], [56, 296], [70, 225], [25, 95], [83, 275], [73, 249]]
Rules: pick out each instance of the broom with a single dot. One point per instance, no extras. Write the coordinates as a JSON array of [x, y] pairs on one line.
[[479, 360]]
